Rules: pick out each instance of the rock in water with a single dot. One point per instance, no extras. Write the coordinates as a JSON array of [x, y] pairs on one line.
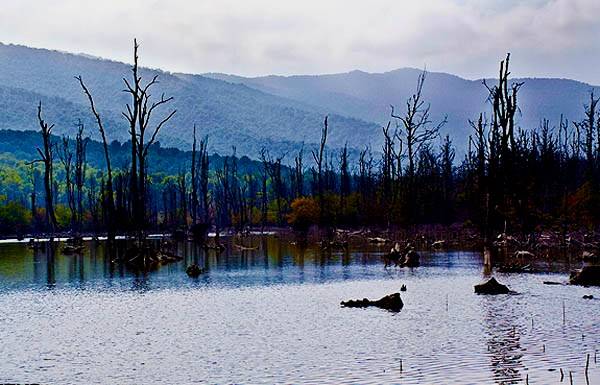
[[391, 302], [491, 287], [587, 276]]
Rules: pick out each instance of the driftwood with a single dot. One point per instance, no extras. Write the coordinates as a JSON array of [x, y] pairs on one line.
[[391, 302]]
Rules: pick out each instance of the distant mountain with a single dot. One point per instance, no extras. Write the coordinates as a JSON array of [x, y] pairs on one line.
[[277, 112], [231, 114], [368, 96]]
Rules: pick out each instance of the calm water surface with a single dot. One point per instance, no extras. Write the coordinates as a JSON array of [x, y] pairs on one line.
[[272, 315]]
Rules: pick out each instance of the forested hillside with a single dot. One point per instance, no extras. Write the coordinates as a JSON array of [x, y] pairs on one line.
[[228, 113]]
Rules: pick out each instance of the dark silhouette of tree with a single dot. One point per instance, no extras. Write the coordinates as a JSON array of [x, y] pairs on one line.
[[143, 132], [46, 157], [108, 203]]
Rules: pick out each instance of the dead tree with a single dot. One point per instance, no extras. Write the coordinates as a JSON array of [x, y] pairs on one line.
[[415, 132], [194, 183], [344, 180], [66, 158], [319, 158], [504, 105], [588, 127], [139, 113], [33, 195], [298, 174], [204, 168], [80, 168], [108, 198], [183, 197], [416, 128], [46, 157]]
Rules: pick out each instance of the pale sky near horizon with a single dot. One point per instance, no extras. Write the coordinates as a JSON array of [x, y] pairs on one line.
[[555, 38]]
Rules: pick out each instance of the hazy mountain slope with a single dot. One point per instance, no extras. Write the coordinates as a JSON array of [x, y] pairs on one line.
[[368, 96], [275, 111], [230, 114]]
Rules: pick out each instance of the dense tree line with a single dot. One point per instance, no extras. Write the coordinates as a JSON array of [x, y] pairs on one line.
[[511, 179]]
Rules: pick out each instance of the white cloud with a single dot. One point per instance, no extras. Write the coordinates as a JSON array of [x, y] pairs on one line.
[[252, 37]]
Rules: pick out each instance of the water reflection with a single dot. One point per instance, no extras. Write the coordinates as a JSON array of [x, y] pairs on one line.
[[251, 318], [503, 342]]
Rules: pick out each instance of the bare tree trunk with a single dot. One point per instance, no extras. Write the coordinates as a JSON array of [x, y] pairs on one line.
[[46, 157], [109, 199]]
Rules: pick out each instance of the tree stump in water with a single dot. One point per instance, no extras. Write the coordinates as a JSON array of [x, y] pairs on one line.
[[391, 302], [199, 232], [194, 271], [491, 287], [587, 276]]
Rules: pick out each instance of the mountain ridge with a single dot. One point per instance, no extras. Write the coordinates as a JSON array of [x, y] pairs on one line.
[[279, 112]]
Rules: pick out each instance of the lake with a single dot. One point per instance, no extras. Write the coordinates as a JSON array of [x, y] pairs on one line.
[[273, 315]]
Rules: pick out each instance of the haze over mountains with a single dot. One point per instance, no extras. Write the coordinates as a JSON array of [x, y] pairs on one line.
[[276, 112]]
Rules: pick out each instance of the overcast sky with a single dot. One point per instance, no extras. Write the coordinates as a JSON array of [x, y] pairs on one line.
[[556, 38]]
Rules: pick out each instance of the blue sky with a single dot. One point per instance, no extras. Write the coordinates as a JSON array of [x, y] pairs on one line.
[[555, 38]]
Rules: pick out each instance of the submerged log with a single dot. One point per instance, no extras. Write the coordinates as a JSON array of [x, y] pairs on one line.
[[391, 302], [491, 287], [587, 276]]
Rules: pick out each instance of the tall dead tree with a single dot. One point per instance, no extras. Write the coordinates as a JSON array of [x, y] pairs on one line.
[[66, 158], [504, 105], [80, 168], [320, 162], [344, 179], [194, 183], [108, 197], [46, 157], [143, 132], [203, 160], [33, 195], [298, 174], [183, 197], [588, 127], [416, 130]]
